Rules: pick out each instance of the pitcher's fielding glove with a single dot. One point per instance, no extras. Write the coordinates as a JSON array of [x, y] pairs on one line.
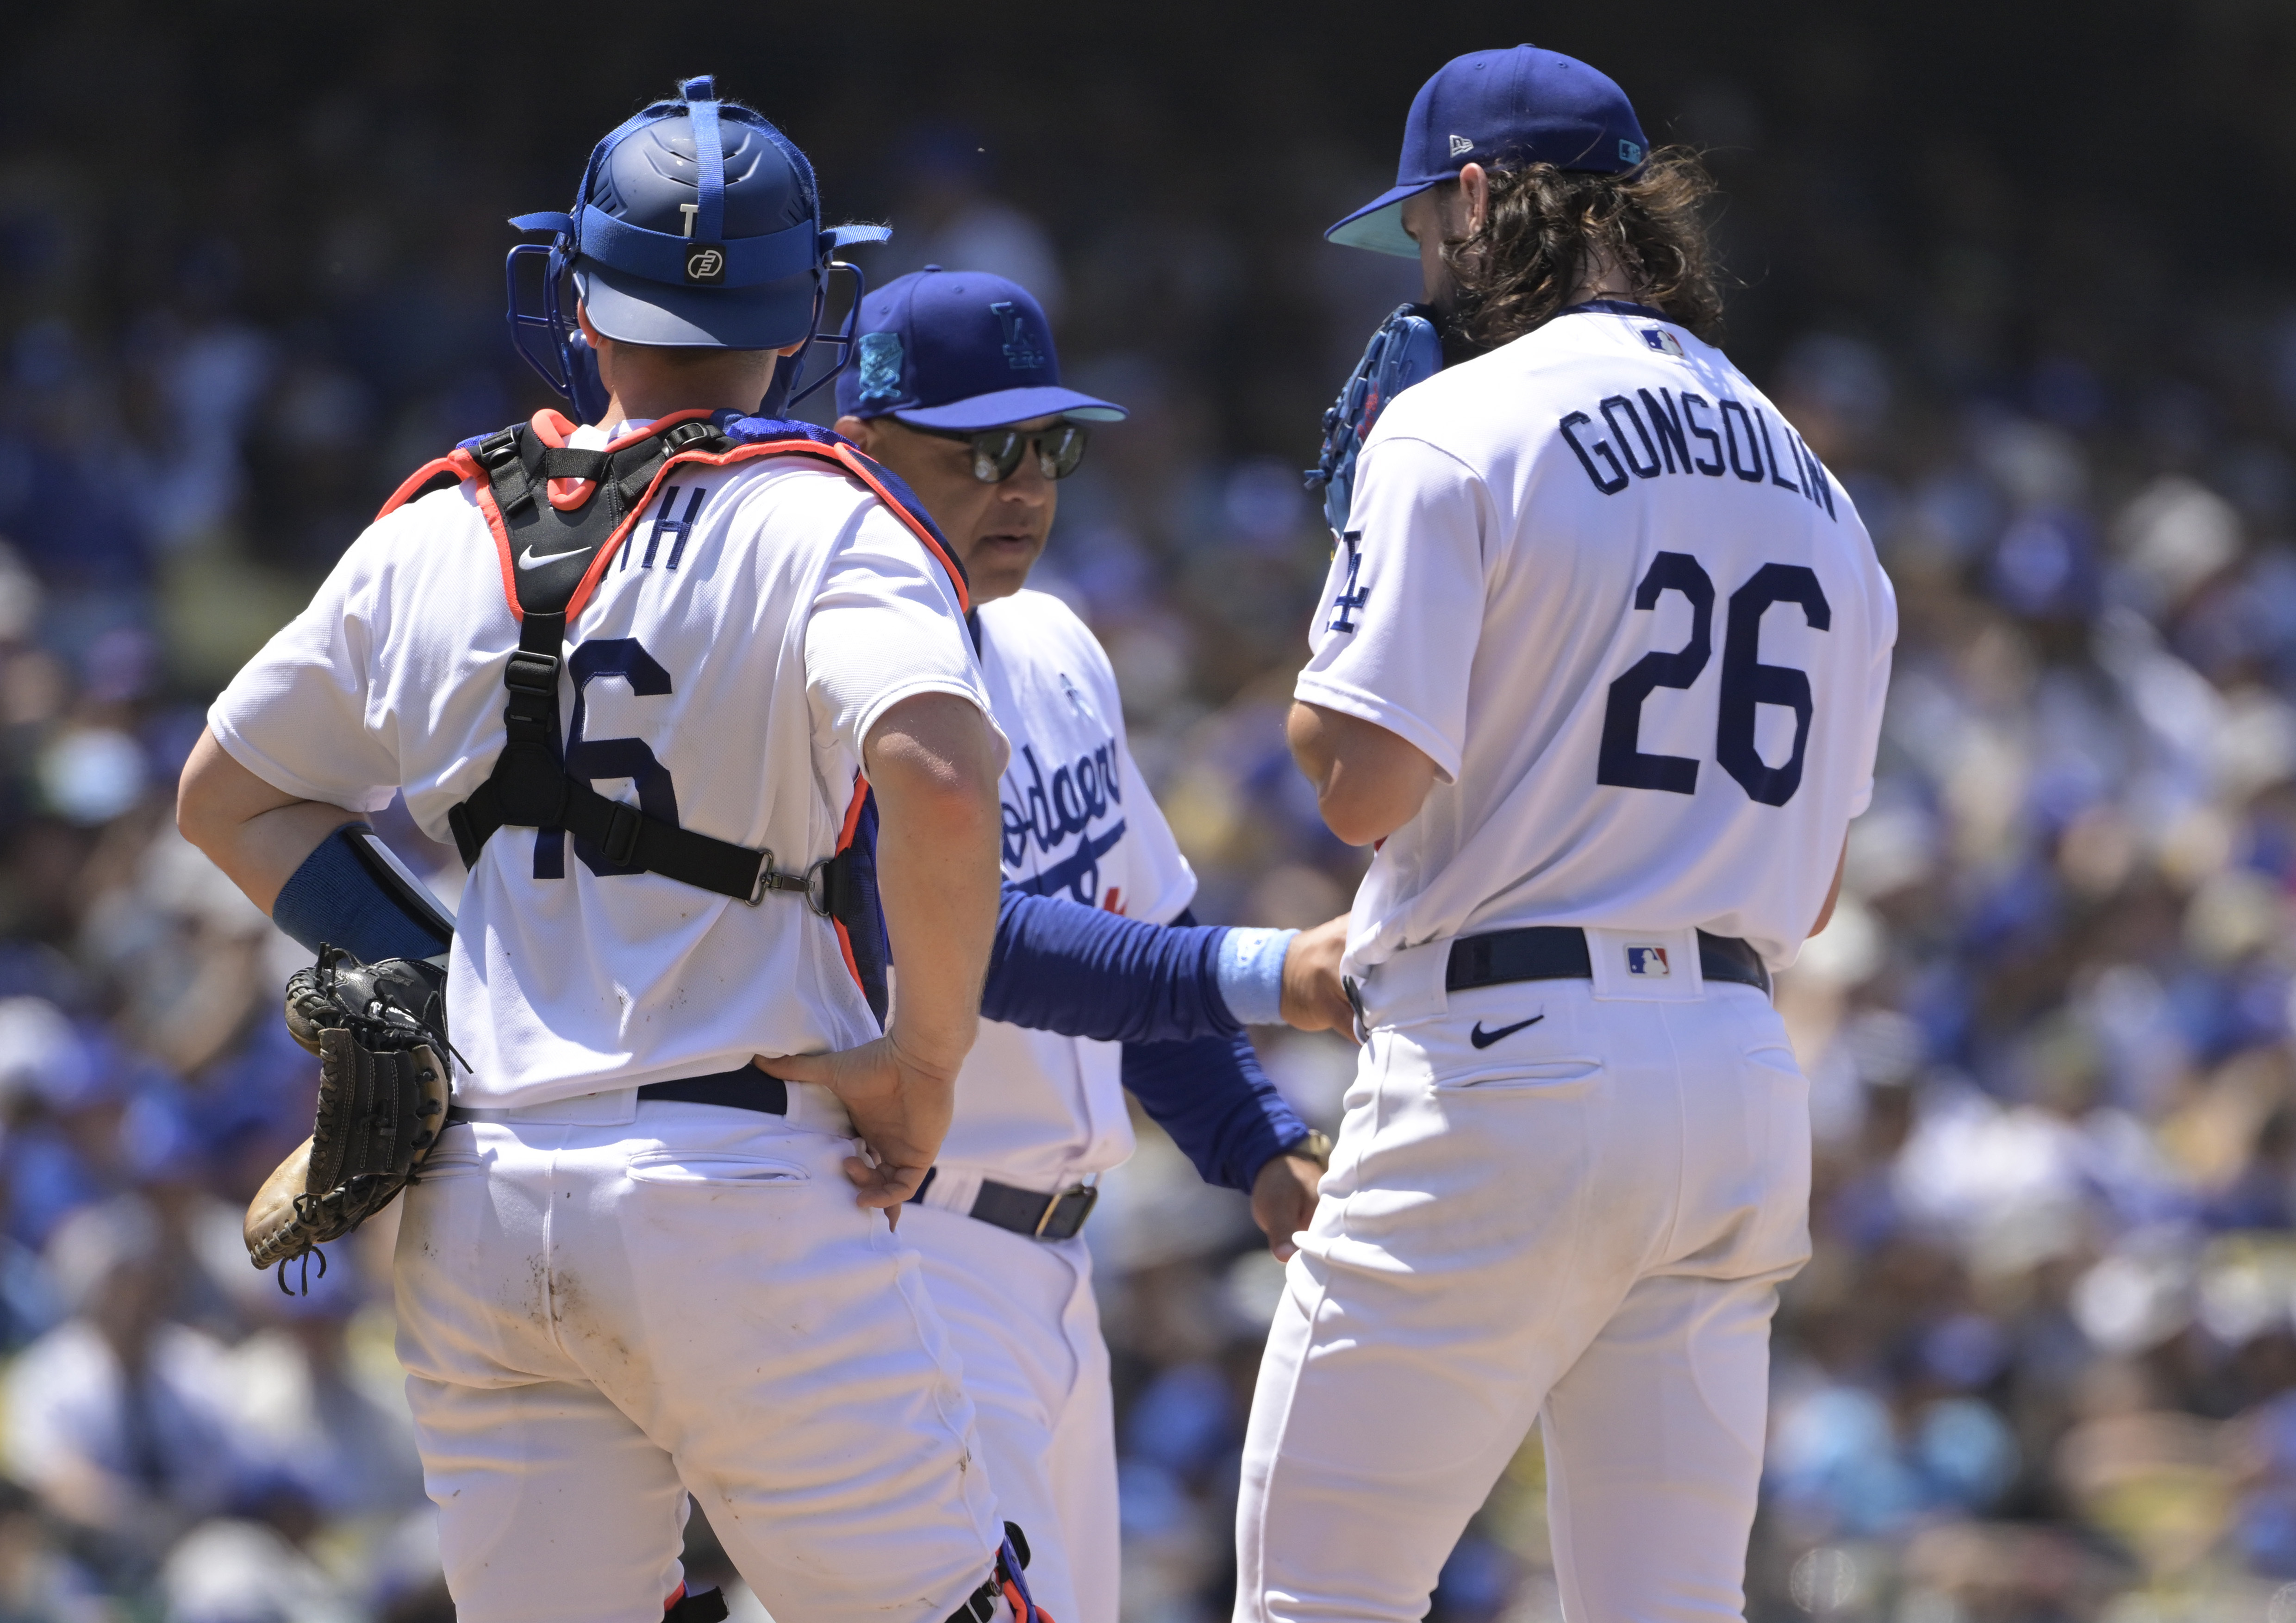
[[379, 1030]]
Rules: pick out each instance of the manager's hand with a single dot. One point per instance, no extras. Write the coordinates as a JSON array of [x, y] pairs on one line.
[[1283, 1201], [1314, 998]]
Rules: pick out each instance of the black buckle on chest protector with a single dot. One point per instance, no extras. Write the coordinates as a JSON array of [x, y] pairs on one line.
[[529, 787]]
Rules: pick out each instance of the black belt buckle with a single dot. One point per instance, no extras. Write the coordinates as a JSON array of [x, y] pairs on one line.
[[1065, 1212]]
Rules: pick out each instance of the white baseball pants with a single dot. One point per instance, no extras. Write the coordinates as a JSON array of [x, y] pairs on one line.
[[1582, 1223], [1022, 1318], [604, 1306]]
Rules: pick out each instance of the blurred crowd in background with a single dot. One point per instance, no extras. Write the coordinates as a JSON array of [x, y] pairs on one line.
[[2029, 301]]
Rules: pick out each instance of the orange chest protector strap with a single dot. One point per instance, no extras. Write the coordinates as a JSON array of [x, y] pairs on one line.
[[558, 514]]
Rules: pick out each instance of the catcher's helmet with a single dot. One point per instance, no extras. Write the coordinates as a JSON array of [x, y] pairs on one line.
[[697, 225]]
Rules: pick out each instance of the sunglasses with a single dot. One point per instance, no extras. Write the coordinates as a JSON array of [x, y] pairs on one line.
[[996, 453]]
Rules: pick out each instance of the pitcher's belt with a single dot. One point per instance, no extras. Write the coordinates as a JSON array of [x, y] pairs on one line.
[[1025, 1211], [1558, 952]]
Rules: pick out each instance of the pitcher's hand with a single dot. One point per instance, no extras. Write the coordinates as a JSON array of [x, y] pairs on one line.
[[900, 1107], [1313, 1000]]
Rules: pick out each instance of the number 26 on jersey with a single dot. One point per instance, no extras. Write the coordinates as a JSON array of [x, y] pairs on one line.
[[1746, 681]]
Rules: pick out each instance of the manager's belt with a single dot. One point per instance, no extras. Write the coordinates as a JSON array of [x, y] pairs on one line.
[[1550, 951], [1024, 1211]]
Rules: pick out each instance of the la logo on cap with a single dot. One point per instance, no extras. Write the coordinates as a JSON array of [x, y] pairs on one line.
[[1021, 351]]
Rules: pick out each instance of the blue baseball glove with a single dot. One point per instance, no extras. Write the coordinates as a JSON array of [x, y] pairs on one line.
[[1407, 350]]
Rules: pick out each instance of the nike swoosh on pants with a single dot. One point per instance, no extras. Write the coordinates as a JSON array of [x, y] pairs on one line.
[[1482, 1038]]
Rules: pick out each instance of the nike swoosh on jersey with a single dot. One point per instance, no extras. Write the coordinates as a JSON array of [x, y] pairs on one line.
[[1482, 1038], [527, 560]]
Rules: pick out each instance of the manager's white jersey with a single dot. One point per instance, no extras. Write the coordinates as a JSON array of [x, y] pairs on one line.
[[1034, 1109], [1638, 628], [757, 620]]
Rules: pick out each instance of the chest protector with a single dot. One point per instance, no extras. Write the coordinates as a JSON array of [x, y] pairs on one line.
[[558, 515]]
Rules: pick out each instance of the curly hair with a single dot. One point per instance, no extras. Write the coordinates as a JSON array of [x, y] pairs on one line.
[[1546, 228]]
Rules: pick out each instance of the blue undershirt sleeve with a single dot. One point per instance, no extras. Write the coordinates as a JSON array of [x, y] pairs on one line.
[[1211, 1094], [1081, 972]]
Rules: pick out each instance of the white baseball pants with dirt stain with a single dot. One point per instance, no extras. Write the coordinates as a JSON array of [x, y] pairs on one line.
[[605, 1305], [1582, 1223], [1023, 1317]]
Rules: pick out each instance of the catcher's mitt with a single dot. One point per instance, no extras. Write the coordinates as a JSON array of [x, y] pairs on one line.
[[379, 1030]]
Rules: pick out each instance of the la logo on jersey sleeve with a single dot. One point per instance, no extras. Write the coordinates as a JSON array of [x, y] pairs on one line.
[[1352, 597]]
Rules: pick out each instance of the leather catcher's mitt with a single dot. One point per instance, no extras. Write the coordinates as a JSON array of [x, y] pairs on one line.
[[379, 1030]]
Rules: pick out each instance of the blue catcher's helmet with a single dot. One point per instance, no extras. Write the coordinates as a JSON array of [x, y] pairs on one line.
[[697, 225]]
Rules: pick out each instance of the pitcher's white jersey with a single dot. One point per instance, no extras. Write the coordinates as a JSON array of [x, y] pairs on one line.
[[1640, 631], [1034, 1109], [756, 623]]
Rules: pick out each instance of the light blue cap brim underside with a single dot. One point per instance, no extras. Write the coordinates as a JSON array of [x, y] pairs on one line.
[[1378, 224]]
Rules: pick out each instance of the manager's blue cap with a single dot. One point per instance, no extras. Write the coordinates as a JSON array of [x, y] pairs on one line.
[[1503, 110], [959, 349]]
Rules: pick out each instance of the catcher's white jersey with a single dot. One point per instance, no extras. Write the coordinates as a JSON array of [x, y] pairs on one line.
[[757, 622], [1034, 1109], [1640, 631]]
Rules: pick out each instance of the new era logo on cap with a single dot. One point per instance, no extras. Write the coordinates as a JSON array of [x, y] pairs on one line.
[[1461, 146], [1648, 961]]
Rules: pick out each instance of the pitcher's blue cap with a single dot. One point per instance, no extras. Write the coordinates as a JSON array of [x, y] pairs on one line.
[[1503, 110], [959, 349]]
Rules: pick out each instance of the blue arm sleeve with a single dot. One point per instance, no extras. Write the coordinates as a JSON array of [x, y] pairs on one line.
[[346, 895], [1084, 972], [1220, 1107]]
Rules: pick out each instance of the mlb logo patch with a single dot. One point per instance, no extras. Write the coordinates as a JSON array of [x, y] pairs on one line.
[[1664, 343], [1649, 961]]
